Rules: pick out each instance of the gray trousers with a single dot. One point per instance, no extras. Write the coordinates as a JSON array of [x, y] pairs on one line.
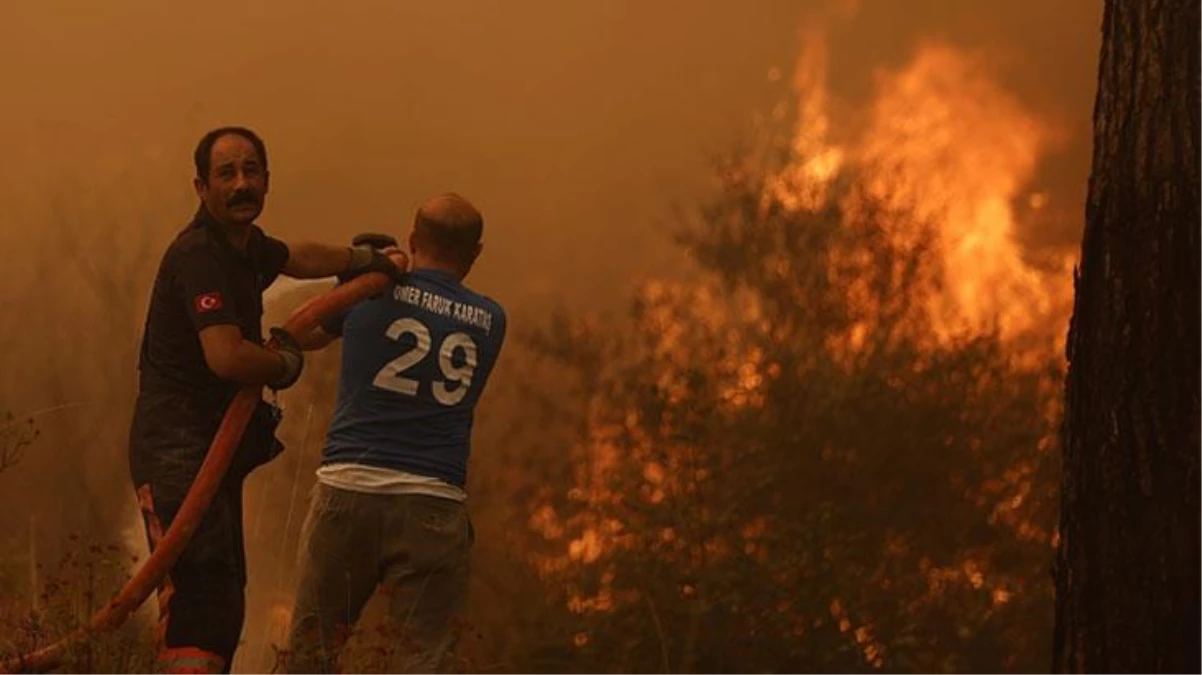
[[414, 547]]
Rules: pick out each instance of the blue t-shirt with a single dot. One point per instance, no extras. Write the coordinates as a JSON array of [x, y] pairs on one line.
[[414, 363]]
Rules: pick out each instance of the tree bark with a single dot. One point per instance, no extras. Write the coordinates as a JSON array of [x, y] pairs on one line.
[[1127, 567]]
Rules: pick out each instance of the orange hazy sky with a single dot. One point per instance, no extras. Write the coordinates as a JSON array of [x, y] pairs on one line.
[[574, 125]]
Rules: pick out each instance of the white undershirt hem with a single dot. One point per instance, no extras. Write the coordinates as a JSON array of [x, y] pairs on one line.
[[381, 481]]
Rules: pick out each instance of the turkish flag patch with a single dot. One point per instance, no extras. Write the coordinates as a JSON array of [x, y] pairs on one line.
[[208, 302]]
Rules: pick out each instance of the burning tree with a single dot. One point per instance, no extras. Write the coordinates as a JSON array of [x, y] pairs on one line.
[[825, 453], [776, 475], [1127, 575]]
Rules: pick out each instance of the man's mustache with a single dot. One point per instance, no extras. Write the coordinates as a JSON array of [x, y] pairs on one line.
[[239, 198]]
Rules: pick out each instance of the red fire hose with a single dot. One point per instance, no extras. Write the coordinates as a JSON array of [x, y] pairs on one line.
[[196, 503]]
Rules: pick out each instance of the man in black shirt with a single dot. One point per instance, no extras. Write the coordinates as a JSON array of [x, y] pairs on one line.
[[202, 342]]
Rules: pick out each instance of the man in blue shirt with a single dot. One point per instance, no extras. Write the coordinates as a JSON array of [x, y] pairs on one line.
[[389, 507]]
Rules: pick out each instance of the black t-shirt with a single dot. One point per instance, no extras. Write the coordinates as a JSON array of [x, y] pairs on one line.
[[202, 281]]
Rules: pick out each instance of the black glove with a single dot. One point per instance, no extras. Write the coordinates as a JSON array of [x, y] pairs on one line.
[[374, 240], [365, 259], [259, 443], [292, 356]]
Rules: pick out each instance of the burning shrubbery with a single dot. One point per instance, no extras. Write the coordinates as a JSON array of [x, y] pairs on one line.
[[834, 450], [786, 466]]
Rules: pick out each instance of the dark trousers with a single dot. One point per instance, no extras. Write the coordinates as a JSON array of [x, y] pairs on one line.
[[415, 548], [202, 601]]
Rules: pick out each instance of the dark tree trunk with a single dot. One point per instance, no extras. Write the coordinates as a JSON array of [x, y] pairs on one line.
[[1128, 567]]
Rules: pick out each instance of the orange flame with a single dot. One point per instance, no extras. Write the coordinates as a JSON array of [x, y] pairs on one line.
[[952, 150]]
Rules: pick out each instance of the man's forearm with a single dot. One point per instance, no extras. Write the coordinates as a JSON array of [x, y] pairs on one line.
[[251, 364], [311, 260]]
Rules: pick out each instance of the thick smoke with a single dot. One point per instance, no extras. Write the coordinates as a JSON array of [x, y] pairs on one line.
[[574, 126]]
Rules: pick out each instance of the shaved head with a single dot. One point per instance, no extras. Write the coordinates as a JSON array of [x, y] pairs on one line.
[[448, 228]]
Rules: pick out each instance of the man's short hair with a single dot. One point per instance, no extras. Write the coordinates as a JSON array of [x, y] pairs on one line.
[[451, 227], [204, 149]]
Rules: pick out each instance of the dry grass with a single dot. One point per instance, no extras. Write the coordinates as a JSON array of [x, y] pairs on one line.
[[69, 593]]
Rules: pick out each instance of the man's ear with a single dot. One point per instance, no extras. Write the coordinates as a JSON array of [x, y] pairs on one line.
[[479, 248], [200, 187], [412, 243], [266, 182]]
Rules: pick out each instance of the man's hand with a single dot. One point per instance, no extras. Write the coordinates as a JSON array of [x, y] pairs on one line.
[[232, 357], [372, 252], [398, 257], [290, 354], [365, 260]]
